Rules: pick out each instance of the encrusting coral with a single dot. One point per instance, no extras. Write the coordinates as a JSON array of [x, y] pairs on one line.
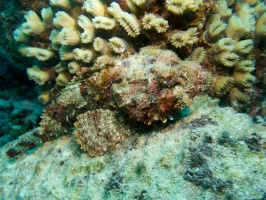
[[143, 60]]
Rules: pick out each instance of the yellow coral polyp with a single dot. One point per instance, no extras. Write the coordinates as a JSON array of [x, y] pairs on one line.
[[105, 23], [87, 36], [245, 80], [65, 53], [245, 66], [20, 36], [39, 53], [223, 10], [118, 45], [223, 45], [236, 28], [68, 36], [94, 7], [39, 76], [62, 79], [198, 54], [130, 23], [142, 3], [223, 85], [85, 23], [44, 97], [100, 45], [238, 99], [115, 10], [226, 59], [151, 22], [177, 7], [85, 55], [147, 21], [65, 4], [261, 26], [47, 16], [244, 46], [161, 25], [73, 67], [183, 38], [34, 25], [64, 20], [54, 36], [215, 30]]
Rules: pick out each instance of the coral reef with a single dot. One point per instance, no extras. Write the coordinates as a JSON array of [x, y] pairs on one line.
[[111, 73], [140, 58]]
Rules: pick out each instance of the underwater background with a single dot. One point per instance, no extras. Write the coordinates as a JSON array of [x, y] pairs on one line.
[[133, 99]]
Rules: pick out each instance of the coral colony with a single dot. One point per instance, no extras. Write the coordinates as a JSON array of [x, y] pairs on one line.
[[104, 66]]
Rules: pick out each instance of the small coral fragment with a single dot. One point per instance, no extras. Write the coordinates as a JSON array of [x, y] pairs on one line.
[[99, 130], [223, 85]]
